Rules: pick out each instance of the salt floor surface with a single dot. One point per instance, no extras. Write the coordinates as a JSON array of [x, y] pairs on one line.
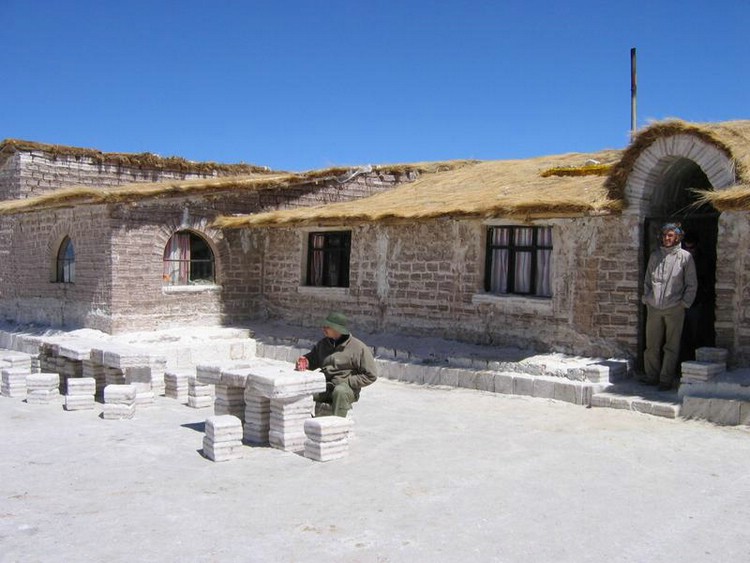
[[431, 475]]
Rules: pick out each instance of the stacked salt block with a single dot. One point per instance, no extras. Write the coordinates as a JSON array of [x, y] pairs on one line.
[[144, 396], [131, 365], [200, 395], [14, 382], [41, 388], [119, 402], [158, 367], [113, 376], [229, 401], [712, 355], [327, 438], [326, 409], [95, 371], [287, 422], [223, 439], [229, 386], [257, 419], [176, 386], [80, 394], [290, 399], [17, 360], [700, 371]]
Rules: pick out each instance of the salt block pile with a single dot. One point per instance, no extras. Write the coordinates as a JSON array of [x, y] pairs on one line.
[[327, 438], [176, 386], [288, 417], [119, 402], [269, 397], [282, 381], [135, 365], [125, 365], [14, 382], [700, 371], [289, 393], [68, 360], [96, 372], [326, 409], [200, 395], [14, 367], [144, 396], [223, 439], [42, 388], [257, 419], [229, 401], [712, 355], [229, 387], [158, 365], [80, 394]]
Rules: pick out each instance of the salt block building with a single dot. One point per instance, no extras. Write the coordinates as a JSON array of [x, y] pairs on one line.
[[546, 253]]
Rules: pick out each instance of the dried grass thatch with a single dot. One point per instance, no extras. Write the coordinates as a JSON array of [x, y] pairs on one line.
[[511, 188], [144, 160], [736, 198], [730, 137], [74, 196]]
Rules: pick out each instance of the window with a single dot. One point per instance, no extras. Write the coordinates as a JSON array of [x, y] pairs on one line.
[[66, 262], [328, 259], [519, 260], [188, 260]]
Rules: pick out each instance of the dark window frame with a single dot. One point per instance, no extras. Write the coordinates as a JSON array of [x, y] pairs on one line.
[[198, 267], [65, 270], [328, 258], [514, 250]]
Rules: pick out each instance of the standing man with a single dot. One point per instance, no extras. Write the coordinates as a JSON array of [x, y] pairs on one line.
[[346, 362], [669, 289]]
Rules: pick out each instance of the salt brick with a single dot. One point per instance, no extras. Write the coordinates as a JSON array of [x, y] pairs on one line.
[[120, 394], [116, 411], [326, 451], [200, 402]]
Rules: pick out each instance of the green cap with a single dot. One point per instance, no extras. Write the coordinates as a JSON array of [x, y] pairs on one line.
[[338, 322]]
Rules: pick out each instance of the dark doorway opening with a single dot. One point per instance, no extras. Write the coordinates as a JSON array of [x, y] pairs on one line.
[[701, 232]]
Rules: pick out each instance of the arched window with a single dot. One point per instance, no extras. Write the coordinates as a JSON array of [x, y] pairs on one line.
[[188, 260], [66, 262]]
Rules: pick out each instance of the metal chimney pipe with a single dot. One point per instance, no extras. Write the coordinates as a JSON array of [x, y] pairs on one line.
[[633, 93]]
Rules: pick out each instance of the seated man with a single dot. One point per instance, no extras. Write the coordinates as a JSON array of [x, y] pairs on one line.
[[346, 362]]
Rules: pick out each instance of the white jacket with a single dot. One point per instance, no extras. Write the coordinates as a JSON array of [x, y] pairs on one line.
[[670, 279]]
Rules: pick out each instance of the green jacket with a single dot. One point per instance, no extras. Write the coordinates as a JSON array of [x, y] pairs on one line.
[[347, 359]]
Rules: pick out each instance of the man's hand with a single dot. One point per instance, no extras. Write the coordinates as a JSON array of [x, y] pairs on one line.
[[302, 364]]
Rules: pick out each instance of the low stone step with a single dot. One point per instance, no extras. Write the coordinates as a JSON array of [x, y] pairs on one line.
[[638, 398]]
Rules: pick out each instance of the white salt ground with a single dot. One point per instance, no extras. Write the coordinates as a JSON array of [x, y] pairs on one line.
[[432, 475]]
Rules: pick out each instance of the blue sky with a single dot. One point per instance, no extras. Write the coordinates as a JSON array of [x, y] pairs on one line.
[[297, 85]]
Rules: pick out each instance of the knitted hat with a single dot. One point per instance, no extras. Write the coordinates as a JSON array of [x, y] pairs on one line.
[[676, 227], [338, 322]]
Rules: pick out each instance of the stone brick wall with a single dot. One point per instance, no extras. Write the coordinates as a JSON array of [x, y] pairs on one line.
[[119, 259], [733, 286], [34, 173], [427, 279], [10, 175], [30, 293]]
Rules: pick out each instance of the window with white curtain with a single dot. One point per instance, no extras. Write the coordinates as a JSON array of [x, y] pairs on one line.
[[66, 262], [328, 259], [188, 260], [519, 261]]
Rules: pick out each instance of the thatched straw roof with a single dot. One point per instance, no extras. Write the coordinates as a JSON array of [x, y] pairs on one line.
[[736, 198], [730, 137], [74, 196], [131, 160], [522, 189]]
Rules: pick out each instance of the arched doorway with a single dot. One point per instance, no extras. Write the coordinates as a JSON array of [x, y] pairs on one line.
[[673, 183]]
